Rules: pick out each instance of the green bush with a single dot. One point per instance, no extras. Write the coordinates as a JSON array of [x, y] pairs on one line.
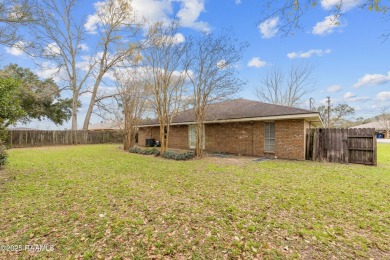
[[151, 151], [3, 155], [166, 155], [178, 156], [134, 150]]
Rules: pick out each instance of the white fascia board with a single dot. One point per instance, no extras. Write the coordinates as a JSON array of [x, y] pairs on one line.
[[314, 117]]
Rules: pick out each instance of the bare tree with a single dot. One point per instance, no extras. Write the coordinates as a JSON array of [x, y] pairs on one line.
[[164, 59], [13, 14], [60, 38], [384, 120], [115, 24], [57, 38], [290, 13], [287, 90], [132, 94], [213, 75]]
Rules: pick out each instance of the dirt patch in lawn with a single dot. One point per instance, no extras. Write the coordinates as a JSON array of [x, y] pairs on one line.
[[240, 161]]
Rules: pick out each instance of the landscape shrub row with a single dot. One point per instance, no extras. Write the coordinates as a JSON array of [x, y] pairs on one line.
[[178, 156], [150, 151], [166, 155]]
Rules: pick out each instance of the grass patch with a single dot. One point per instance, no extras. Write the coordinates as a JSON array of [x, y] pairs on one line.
[[98, 201]]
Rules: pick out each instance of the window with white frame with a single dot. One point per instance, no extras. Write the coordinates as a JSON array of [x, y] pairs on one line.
[[269, 137]]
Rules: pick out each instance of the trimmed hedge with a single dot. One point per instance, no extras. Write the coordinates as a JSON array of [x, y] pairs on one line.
[[152, 151], [166, 155], [178, 156]]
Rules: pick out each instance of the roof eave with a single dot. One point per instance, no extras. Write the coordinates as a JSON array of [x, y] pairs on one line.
[[311, 117]]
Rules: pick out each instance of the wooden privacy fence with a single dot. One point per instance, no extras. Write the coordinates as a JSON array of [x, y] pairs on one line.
[[342, 145], [29, 138]]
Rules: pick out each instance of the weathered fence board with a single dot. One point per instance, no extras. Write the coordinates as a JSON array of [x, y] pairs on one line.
[[29, 138], [342, 145]]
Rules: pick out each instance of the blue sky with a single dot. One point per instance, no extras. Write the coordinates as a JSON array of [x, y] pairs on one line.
[[351, 61]]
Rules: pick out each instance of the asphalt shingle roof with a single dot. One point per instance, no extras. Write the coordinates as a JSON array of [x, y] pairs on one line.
[[376, 124], [108, 125], [237, 109]]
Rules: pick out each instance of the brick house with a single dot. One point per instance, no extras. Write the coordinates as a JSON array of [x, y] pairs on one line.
[[241, 127], [381, 128]]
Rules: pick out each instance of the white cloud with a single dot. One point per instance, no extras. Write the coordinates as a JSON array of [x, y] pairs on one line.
[[351, 97], [156, 11], [152, 10], [345, 5], [16, 49], [256, 62], [334, 88], [222, 64], [358, 99], [179, 38], [372, 80], [327, 26], [86, 95], [86, 62], [176, 39], [138, 12], [91, 24], [308, 54], [269, 28], [50, 70], [189, 13], [383, 96], [107, 90], [83, 47], [52, 49], [324, 101], [238, 2], [110, 75]]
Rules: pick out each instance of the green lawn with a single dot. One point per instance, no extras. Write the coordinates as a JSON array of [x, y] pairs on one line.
[[97, 201]]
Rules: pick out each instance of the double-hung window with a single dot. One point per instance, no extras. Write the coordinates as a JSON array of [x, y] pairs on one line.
[[269, 137]]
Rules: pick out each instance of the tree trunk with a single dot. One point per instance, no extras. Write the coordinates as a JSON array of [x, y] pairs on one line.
[[166, 140], [127, 141], [92, 103], [199, 140], [89, 112], [199, 117], [129, 132], [74, 119], [162, 139]]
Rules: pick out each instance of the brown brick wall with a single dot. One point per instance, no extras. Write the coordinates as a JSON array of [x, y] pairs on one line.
[[234, 138], [178, 137], [146, 133], [290, 139], [246, 138]]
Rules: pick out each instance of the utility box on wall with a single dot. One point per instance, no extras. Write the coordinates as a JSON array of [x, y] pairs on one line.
[[150, 142]]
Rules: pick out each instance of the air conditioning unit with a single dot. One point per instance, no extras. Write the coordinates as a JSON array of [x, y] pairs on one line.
[[150, 142]]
